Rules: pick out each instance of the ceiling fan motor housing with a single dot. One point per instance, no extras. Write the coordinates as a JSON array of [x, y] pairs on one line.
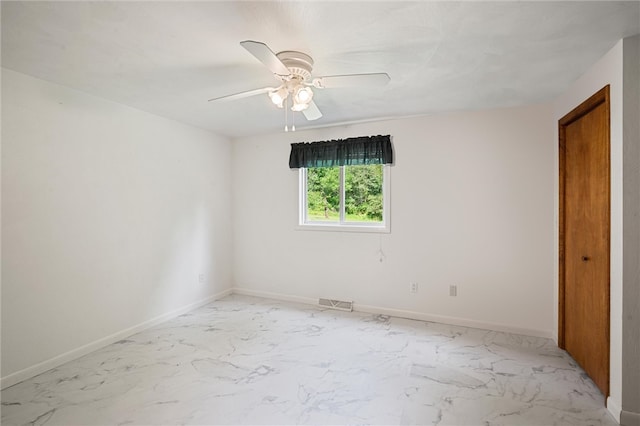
[[298, 63]]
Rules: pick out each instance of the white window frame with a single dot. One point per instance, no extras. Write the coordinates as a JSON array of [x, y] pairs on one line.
[[342, 225]]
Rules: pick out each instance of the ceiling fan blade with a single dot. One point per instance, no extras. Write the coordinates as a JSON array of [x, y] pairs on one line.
[[352, 80], [312, 112], [243, 94], [265, 55]]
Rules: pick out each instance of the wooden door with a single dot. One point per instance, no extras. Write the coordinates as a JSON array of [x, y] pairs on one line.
[[583, 328]]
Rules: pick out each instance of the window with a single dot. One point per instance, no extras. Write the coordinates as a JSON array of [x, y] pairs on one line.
[[345, 198], [344, 183]]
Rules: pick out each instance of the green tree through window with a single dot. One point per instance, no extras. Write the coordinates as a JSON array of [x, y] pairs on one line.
[[363, 195], [323, 194]]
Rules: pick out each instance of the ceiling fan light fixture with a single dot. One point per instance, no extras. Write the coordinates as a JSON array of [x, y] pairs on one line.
[[302, 95], [297, 107], [278, 96]]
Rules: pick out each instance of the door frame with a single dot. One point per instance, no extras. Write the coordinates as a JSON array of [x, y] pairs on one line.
[[597, 99]]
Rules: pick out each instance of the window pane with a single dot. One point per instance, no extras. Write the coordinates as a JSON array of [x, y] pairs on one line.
[[323, 194], [363, 193]]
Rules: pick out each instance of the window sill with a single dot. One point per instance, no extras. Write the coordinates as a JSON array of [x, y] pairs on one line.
[[382, 229]]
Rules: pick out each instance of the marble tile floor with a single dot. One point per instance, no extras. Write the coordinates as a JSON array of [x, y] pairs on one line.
[[245, 360]]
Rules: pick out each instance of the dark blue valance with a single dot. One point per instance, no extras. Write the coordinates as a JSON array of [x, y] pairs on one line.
[[342, 152]]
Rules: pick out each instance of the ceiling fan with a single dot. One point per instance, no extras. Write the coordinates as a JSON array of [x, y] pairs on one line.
[[293, 70]]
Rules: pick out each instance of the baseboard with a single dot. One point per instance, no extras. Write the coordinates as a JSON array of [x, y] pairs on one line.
[[624, 418], [629, 418], [57, 361], [614, 408], [274, 296], [403, 314], [444, 319]]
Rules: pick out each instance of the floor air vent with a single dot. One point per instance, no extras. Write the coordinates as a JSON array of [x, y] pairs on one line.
[[336, 304]]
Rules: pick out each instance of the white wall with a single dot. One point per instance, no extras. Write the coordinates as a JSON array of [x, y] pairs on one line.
[[109, 216], [471, 205], [631, 226], [608, 70]]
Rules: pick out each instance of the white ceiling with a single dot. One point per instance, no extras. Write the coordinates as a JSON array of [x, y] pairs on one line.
[[168, 58]]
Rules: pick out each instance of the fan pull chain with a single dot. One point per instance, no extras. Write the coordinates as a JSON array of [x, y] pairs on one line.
[[293, 121], [286, 127]]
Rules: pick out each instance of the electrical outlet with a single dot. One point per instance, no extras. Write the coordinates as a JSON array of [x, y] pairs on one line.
[[413, 287], [201, 278], [453, 290]]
